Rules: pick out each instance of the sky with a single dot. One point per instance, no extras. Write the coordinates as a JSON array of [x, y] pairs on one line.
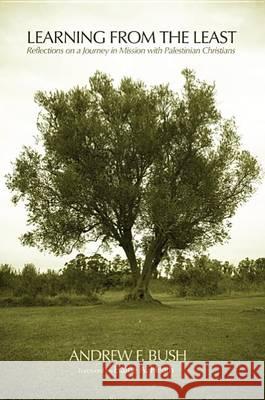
[[239, 79]]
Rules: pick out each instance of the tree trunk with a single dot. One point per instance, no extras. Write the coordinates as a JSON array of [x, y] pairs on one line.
[[140, 290], [128, 248]]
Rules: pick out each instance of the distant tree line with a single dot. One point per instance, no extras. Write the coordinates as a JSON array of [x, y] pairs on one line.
[[198, 276], [202, 276], [81, 275]]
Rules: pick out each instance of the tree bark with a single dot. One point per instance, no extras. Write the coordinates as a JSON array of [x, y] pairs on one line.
[[140, 290], [128, 248]]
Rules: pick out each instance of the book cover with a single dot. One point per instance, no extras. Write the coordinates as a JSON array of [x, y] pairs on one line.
[[132, 199]]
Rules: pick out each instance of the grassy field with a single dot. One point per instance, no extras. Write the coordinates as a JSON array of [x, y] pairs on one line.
[[232, 329]]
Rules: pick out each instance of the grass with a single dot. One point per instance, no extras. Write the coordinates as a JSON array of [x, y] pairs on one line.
[[217, 329], [62, 299]]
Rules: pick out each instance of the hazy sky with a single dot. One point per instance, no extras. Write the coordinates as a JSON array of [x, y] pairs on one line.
[[239, 81]]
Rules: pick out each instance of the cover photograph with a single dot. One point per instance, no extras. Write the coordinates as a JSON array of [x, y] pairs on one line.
[[132, 191]]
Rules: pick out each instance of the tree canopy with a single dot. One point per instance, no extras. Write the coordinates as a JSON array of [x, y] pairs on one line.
[[148, 169]]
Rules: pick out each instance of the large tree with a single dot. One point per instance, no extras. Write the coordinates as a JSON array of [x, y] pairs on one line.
[[147, 169]]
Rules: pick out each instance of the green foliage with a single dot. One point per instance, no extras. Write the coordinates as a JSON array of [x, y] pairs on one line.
[[198, 277], [29, 284], [86, 274], [7, 278], [62, 299], [119, 274], [123, 162], [81, 279], [95, 274], [260, 269], [84, 278], [250, 273], [202, 276], [50, 283]]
